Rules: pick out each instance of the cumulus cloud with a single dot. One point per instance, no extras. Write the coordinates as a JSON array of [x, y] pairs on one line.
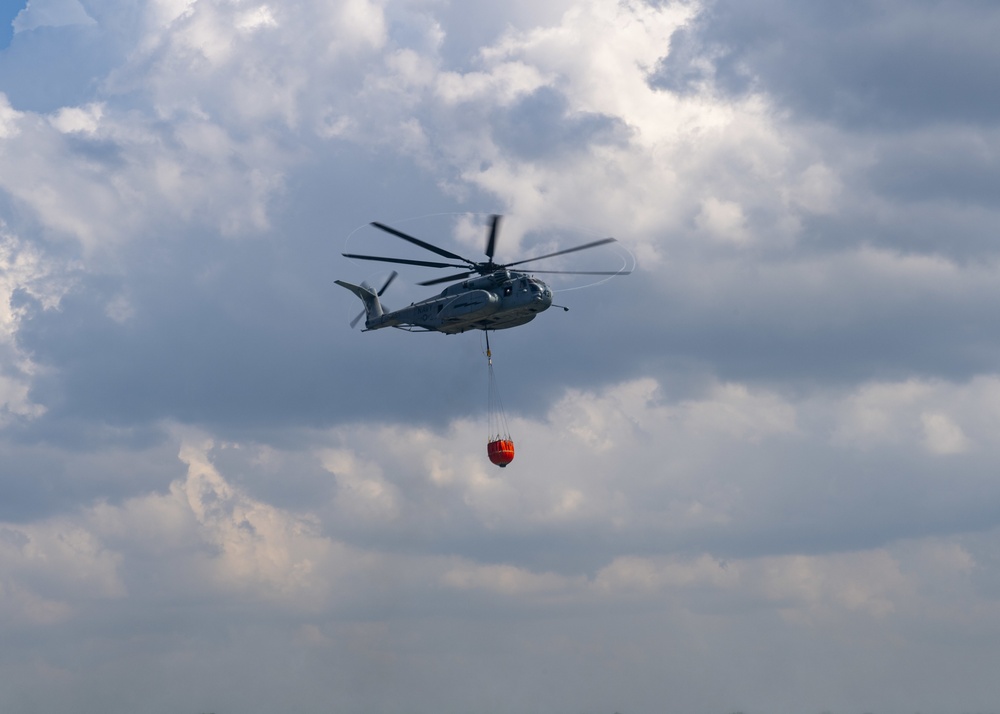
[[25, 274], [207, 537], [51, 13], [769, 450]]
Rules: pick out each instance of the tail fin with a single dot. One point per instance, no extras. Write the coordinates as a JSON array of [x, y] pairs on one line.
[[373, 308]]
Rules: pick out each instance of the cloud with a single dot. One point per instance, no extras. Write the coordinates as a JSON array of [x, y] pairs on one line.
[[8, 119], [767, 451], [51, 13], [25, 274], [882, 67], [207, 539], [43, 564]]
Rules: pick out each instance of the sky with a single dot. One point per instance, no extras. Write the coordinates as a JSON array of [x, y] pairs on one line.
[[759, 474]]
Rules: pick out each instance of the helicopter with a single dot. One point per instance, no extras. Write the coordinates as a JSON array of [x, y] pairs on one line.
[[497, 298]]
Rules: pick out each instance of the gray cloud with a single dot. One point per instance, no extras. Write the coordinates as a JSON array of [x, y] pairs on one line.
[[865, 65], [768, 450], [540, 126]]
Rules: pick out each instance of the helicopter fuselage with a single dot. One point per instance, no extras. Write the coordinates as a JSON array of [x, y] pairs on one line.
[[505, 298]]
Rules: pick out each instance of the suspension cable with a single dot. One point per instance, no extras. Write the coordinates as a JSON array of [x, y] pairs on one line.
[[498, 428]]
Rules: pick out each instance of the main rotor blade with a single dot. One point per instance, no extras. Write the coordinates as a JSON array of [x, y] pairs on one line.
[[422, 244], [491, 243], [387, 283], [585, 246], [403, 261], [583, 272], [449, 279]]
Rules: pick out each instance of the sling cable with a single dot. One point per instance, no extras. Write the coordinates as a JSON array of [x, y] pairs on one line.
[[500, 447]]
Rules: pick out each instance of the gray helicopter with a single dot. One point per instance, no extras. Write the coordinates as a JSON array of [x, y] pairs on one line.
[[497, 299]]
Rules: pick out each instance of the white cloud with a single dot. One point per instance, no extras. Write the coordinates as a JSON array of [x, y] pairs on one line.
[[363, 493], [218, 541], [652, 577], [817, 189], [8, 118], [51, 13], [761, 468], [105, 199], [920, 414], [85, 120], [51, 568], [942, 435], [722, 220], [23, 269], [508, 580], [800, 588], [427, 495], [601, 54], [506, 83], [599, 58], [142, 172], [188, 69], [257, 18], [258, 548]]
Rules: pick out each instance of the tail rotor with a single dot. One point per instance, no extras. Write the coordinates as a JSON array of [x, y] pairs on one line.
[[366, 286]]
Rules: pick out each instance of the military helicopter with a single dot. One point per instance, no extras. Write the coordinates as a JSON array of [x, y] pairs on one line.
[[499, 298]]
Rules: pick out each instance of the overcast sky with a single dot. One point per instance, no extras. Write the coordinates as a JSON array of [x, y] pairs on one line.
[[759, 474]]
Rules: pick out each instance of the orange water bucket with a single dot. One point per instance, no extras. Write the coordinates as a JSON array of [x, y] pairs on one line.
[[501, 451]]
